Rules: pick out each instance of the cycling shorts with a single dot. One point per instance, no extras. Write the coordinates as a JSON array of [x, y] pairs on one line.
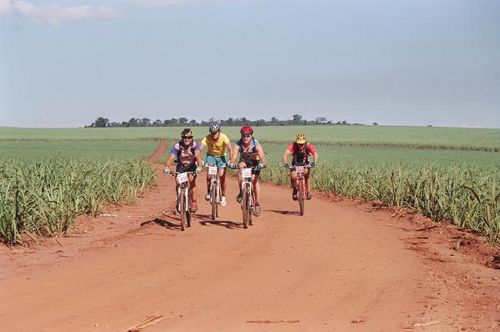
[[220, 162]]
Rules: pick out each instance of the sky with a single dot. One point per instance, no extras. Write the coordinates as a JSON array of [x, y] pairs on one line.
[[399, 62]]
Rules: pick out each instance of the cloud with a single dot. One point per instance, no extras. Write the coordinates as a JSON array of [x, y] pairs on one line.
[[54, 14]]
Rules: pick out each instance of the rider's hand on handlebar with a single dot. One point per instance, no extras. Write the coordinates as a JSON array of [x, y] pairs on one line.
[[261, 166], [198, 170], [313, 163], [167, 170], [232, 165], [285, 165]]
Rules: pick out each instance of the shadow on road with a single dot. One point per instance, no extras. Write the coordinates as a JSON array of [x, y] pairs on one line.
[[207, 221], [164, 223], [286, 212]]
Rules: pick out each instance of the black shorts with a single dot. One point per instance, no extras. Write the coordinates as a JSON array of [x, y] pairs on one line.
[[185, 168], [251, 163]]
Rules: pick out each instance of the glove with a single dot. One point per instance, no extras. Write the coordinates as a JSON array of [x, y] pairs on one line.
[[167, 170], [313, 163], [286, 165], [261, 166], [198, 170], [232, 165]]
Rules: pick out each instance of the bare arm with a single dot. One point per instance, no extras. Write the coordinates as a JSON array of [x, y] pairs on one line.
[[234, 154], [285, 156], [260, 153], [170, 160]]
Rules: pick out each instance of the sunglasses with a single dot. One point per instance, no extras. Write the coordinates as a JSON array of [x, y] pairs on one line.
[[187, 137], [246, 135]]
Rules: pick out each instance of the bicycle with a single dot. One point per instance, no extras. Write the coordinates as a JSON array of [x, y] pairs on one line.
[[248, 194], [300, 184], [215, 190], [183, 199]]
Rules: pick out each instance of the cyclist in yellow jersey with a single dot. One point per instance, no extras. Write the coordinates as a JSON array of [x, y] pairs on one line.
[[217, 143]]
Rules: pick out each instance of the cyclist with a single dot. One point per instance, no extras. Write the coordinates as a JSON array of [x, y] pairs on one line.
[[187, 154], [217, 143], [251, 154], [300, 151]]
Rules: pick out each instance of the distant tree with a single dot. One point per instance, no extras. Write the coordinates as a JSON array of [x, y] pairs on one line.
[[321, 119], [183, 121], [145, 122], [101, 122], [297, 119], [375, 124]]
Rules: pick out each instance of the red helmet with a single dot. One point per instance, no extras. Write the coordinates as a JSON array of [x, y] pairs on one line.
[[246, 130]]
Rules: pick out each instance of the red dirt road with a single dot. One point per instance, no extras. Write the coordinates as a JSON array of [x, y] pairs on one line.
[[340, 267]]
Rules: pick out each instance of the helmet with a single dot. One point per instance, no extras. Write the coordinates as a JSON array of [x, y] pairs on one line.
[[187, 132], [246, 130], [301, 138], [214, 127]]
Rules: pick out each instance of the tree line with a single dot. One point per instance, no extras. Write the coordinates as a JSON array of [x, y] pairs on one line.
[[296, 120]]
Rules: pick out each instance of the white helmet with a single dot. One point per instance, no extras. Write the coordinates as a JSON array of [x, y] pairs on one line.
[[214, 127]]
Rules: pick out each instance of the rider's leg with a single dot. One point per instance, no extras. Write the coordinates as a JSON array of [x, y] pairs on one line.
[[308, 185], [256, 188], [293, 179], [192, 193], [238, 198], [222, 177]]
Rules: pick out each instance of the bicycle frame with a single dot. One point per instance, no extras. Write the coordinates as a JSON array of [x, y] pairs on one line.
[[215, 190], [300, 184], [247, 201], [183, 198]]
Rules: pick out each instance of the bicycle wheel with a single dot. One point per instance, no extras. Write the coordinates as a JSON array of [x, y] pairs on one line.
[[301, 196], [245, 207], [213, 200], [183, 210]]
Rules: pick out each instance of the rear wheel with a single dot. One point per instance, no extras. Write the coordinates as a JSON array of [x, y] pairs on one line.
[[301, 196]]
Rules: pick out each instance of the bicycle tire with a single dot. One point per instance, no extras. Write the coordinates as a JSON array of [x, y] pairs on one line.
[[213, 200], [301, 197], [245, 209], [183, 210]]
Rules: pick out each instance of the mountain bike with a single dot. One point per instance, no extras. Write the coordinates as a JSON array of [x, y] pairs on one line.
[[300, 184], [248, 194], [183, 198], [215, 190]]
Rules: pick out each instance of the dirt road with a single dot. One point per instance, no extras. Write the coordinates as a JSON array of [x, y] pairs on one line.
[[340, 267]]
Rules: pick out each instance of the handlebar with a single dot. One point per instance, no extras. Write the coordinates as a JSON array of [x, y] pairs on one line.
[[293, 167], [258, 167]]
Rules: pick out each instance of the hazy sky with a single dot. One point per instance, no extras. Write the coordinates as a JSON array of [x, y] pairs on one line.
[[401, 62]]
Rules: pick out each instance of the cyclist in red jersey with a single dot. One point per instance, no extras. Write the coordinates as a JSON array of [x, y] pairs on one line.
[[300, 151]]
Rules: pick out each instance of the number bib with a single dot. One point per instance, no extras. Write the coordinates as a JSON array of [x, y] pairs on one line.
[[299, 169], [182, 177], [246, 172], [212, 170]]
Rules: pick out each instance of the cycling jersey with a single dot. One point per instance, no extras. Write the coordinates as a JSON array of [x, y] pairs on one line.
[[248, 152], [301, 156], [216, 148], [185, 155]]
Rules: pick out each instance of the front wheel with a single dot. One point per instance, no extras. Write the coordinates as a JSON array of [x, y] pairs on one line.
[[213, 200], [183, 211], [301, 197], [245, 207]]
